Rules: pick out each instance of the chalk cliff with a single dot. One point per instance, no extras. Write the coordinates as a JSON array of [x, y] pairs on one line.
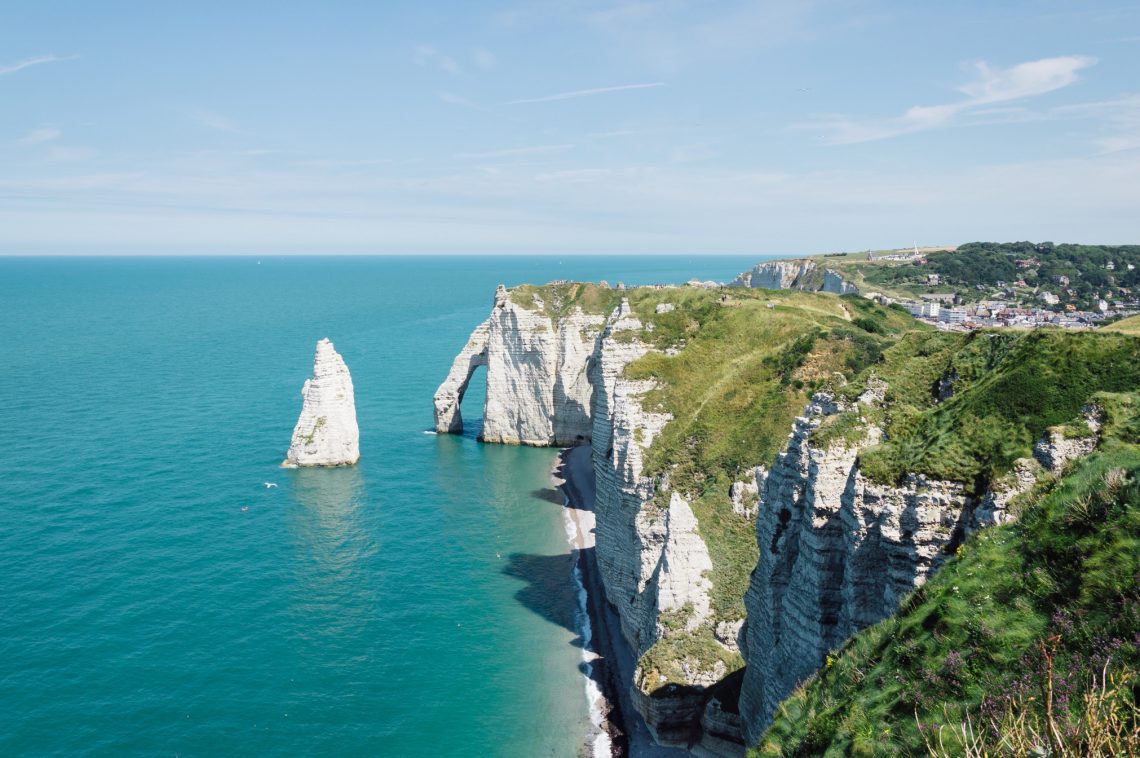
[[326, 433], [560, 381], [801, 274], [839, 551], [537, 389]]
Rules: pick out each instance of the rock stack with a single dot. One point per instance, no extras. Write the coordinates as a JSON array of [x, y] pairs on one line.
[[326, 433]]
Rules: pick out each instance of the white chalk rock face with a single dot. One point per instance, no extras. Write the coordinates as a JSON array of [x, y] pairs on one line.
[[538, 389], [326, 433]]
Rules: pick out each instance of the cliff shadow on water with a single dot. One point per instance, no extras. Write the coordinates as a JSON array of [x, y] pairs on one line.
[[547, 591]]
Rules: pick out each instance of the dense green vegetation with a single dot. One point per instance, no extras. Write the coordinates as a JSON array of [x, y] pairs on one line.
[[1085, 266], [1008, 388], [1026, 617], [975, 269]]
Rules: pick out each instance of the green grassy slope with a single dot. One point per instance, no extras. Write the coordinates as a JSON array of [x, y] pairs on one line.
[[1130, 325], [1008, 388], [744, 372], [1059, 589]]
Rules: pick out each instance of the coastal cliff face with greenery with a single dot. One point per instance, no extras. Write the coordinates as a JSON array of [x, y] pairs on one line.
[[1027, 642], [694, 394]]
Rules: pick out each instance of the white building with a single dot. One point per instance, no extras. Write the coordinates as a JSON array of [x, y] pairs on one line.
[[953, 315]]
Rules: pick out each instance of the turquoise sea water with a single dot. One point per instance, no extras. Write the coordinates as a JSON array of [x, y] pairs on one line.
[[157, 599]]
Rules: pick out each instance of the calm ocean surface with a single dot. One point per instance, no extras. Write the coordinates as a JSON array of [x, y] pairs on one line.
[[144, 611]]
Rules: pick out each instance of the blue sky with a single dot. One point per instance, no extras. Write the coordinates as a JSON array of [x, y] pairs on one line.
[[560, 126]]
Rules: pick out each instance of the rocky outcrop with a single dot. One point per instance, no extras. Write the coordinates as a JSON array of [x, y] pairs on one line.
[[745, 495], [835, 283], [326, 433], [775, 275], [448, 419], [801, 274], [839, 551], [720, 732], [538, 392], [1059, 448]]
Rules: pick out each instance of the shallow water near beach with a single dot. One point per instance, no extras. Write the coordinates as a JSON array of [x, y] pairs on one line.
[[157, 598]]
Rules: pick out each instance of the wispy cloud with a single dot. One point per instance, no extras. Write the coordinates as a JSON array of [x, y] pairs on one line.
[[12, 68], [452, 99], [1118, 118], [483, 58], [41, 135], [215, 121], [584, 93], [991, 86], [426, 55], [348, 163], [517, 151]]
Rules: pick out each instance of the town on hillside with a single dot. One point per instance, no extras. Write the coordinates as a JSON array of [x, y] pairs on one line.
[[983, 284]]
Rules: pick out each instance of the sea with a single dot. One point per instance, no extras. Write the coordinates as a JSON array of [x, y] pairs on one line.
[[157, 598]]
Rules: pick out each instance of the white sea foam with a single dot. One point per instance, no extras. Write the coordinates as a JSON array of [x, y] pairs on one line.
[[602, 747]]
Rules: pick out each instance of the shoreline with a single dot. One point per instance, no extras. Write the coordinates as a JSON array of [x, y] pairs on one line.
[[616, 728]]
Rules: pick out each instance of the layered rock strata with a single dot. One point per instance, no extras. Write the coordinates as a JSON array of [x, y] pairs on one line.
[[326, 433], [839, 551], [562, 382]]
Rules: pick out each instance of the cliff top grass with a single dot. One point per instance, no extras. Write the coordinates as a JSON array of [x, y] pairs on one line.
[[743, 372], [1130, 325], [1008, 388], [561, 299], [1052, 601]]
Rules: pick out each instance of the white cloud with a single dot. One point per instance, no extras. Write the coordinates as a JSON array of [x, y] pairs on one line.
[[41, 135], [991, 86], [584, 93], [484, 59], [215, 121], [12, 68], [452, 99], [517, 151], [1024, 79], [523, 207], [1117, 120], [426, 55]]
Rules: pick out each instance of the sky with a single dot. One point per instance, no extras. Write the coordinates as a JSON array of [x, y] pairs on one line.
[[565, 126]]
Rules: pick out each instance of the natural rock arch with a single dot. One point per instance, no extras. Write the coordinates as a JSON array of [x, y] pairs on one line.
[[449, 396]]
